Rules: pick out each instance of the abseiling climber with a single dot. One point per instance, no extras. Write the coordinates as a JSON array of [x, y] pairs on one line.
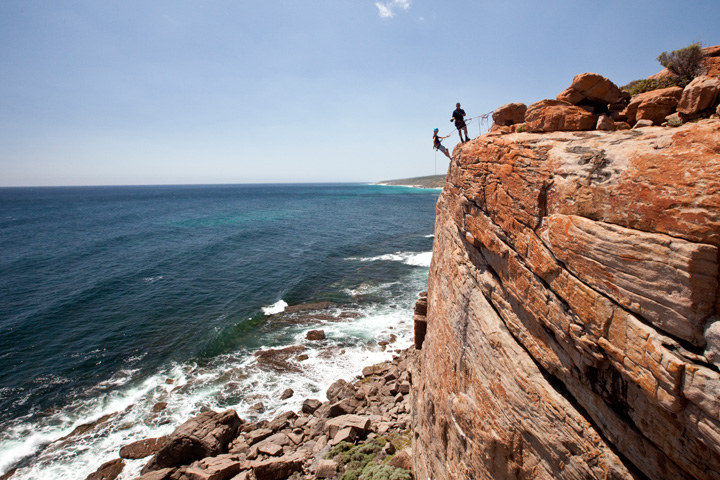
[[439, 146]]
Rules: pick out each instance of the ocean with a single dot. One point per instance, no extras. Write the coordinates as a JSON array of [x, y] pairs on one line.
[[139, 307]]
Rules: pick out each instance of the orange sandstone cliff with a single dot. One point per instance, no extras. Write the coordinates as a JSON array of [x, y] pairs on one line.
[[572, 326]]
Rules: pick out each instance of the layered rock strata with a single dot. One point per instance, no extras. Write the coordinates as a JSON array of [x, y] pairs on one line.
[[572, 309]]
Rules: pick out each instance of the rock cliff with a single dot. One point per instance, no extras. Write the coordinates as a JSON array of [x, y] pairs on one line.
[[572, 325]]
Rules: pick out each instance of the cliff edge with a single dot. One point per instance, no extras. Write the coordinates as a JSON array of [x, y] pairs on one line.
[[572, 310]]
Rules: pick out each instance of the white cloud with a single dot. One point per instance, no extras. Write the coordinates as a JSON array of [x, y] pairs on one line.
[[388, 9]]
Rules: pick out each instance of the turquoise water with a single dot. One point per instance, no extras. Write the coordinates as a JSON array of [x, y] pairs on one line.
[[115, 298]]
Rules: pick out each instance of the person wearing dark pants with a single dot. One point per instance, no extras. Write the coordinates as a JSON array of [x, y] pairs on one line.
[[458, 116]]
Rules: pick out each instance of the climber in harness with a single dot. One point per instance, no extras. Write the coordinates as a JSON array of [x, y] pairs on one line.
[[458, 117], [439, 146]]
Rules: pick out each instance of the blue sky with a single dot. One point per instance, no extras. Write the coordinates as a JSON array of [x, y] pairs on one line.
[[184, 92]]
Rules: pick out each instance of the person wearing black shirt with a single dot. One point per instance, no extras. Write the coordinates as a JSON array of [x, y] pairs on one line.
[[458, 117], [439, 146]]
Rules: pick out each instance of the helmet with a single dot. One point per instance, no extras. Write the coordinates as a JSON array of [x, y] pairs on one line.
[[435, 130]]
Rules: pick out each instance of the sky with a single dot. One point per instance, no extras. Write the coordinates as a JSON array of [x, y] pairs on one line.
[[145, 92]]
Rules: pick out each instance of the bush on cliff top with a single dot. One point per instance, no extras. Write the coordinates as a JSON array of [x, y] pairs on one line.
[[646, 85], [686, 63]]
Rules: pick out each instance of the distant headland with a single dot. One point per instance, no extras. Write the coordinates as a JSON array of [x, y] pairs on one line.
[[431, 181]]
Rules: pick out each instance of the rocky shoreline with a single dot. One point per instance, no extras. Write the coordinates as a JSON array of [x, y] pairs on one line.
[[361, 432]]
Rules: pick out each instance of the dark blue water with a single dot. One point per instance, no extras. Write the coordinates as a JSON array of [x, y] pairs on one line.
[[104, 288]]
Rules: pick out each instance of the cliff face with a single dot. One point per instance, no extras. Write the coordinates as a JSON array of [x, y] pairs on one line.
[[572, 321]]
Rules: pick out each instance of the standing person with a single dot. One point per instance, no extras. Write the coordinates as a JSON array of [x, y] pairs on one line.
[[439, 146], [459, 119]]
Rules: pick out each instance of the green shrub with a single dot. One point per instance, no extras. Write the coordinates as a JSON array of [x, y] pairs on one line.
[[373, 471], [686, 63], [675, 121], [361, 461], [646, 85]]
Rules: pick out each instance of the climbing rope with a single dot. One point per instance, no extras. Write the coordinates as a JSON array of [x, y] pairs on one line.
[[484, 119]]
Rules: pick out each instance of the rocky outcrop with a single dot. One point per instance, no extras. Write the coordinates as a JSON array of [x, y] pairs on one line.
[[317, 442], [206, 435], [557, 115], [142, 448], [654, 105], [509, 114], [591, 88], [572, 309], [700, 94], [593, 102], [108, 471]]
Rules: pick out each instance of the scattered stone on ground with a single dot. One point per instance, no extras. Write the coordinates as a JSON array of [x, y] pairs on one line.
[[371, 416]]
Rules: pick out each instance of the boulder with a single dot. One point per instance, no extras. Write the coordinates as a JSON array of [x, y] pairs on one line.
[[269, 448], [654, 105], [571, 96], [310, 405], [712, 60], [402, 459], [700, 94], [326, 469], [287, 393], [206, 435], [500, 129], [315, 335], [296, 437], [277, 468], [339, 390], [222, 467], [591, 87], [508, 114], [643, 123], [280, 359], [108, 470], [162, 474], [142, 448], [278, 439], [604, 123], [622, 126], [282, 421], [359, 423], [345, 435], [258, 435], [556, 115], [344, 407]]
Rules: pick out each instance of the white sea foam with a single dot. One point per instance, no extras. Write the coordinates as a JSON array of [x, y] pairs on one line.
[[277, 307], [418, 259], [236, 381]]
